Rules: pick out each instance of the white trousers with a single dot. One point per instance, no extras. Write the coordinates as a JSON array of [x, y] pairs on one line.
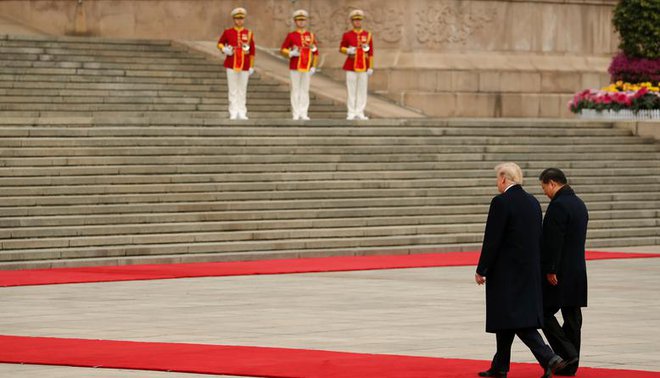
[[356, 86], [299, 93], [237, 82]]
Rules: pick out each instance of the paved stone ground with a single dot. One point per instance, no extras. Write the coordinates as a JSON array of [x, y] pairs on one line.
[[436, 312]]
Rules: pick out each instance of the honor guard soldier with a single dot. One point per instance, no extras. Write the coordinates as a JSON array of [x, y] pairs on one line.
[[237, 44], [301, 49], [357, 44]]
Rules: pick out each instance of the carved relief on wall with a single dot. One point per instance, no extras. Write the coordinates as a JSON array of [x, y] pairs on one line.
[[330, 22], [387, 24], [451, 23]]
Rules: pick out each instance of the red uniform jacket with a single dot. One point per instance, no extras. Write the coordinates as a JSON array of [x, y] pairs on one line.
[[362, 60], [306, 44], [242, 60]]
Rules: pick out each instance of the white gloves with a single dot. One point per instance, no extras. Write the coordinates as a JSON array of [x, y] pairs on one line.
[[312, 70], [370, 72], [250, 71], [294, 53], [351, 50], [228, 50]]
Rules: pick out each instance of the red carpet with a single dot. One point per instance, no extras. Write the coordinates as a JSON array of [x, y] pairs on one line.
[[240, 268], [255, 361]]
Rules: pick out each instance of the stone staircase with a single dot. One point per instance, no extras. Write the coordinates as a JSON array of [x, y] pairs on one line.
[[67, 76], [119, 152], [117, 190]]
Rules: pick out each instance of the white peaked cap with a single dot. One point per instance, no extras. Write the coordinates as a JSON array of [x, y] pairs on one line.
[[238, 12], [356, 14], [300, 13]]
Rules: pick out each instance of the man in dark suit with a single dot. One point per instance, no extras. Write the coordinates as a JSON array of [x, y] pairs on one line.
[[510, 267], [564, 267]]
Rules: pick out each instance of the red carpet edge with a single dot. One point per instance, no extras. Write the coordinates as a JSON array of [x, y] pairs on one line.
[[240, 268], [255, 361]]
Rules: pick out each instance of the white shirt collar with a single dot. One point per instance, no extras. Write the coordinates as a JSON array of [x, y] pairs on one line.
[[507, 188]]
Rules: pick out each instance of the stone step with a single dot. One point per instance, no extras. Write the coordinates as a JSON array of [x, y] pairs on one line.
[[318, 154], [75, 129], [246, 255], [250, 245], [210, 257], [111, 73], [449, 213], [101, 51], [623, 242], [39, 54], [85, 104], [218, 211], [283, 235], [256, 145], [84, 41], [33, 56], [431, 125], [127, 162], [22, 206], [104, 96], [275, 183], [277, 178], [33, 79], [254, 115], [234, 236], [130, 83], [186, 172], [156, 66], [472, 222], [122, 120], [445, 170], [171, 105], [60, 225], [487, 143], [152, 90], [228, 247]]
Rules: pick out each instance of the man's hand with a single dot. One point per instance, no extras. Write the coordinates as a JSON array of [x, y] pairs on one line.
[[552, 279], [228, 50], [294, 52], [250, 71], [479, 279], [312, 70], [370, 72], [351, 50]]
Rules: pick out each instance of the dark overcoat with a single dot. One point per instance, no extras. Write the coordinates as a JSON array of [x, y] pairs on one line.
[[510, 261], [562, 250]]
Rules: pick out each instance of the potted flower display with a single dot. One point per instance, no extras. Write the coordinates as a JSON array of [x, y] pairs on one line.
[[635, 71]]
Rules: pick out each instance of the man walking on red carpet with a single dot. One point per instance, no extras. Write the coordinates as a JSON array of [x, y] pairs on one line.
[[564, 267], [510, 267]]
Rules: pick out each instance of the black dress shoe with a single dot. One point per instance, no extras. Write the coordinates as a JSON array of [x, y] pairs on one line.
[[570, 369], [492, 373], [556, 363]]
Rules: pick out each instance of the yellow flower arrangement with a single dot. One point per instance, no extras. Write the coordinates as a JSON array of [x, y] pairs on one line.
[[620, 86]]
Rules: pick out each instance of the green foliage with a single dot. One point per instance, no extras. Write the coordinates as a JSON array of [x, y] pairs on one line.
[[638, 23]]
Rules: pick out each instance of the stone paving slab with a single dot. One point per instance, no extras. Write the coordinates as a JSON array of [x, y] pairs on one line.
[[10, 370], [436, 312]]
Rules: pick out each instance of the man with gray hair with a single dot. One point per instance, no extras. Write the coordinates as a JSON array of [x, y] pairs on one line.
[[510, 267]]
